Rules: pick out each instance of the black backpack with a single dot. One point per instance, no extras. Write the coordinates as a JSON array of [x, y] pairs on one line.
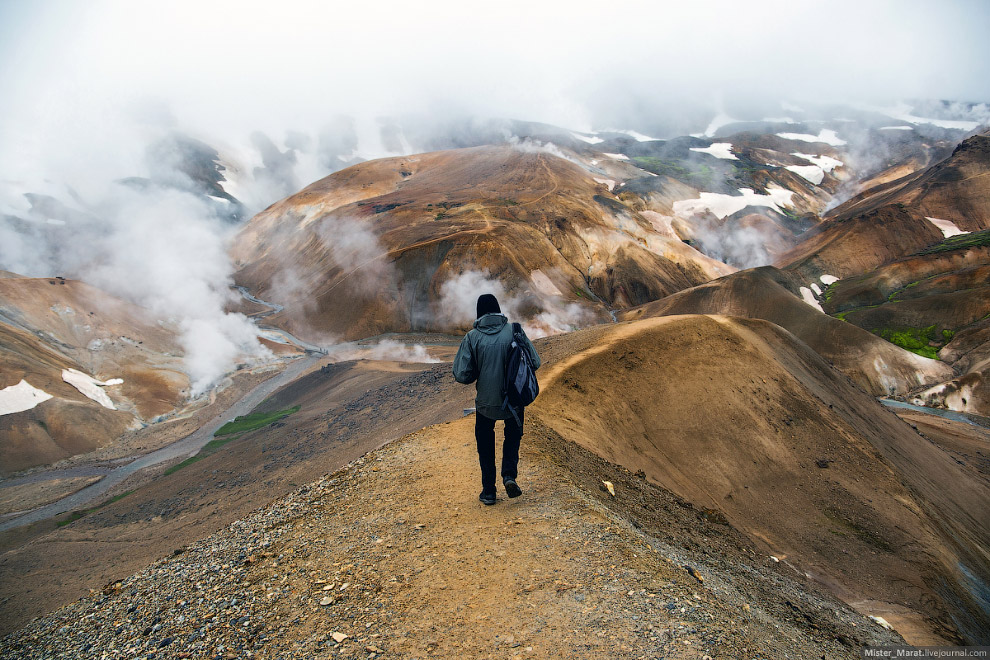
[[521, 386]]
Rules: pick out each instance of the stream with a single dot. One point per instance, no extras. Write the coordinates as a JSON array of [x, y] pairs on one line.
[[186, 447], [947, 414]]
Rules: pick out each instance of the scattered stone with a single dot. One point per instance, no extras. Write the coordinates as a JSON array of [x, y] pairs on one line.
[[882, 621], [326, 600], [609, 487], [338, 636]]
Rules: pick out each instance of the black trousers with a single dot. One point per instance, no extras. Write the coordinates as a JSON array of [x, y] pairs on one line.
[[484, 434]]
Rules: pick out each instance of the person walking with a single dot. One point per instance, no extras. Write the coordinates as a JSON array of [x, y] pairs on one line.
[[481, 358]]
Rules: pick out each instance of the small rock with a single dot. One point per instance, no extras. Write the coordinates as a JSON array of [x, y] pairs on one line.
[[774, 559], [609, 487], [326, 600], [338, 636], [882, 621]]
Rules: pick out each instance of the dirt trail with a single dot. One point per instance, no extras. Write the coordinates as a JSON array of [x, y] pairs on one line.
[[394, 557]]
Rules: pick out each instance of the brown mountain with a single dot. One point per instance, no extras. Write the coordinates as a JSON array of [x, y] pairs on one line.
[[888, 222], [370, 249], [748, 424]]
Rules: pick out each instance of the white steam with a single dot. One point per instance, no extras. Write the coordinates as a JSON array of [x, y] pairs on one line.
[[459, 297], [161, 248], [386, 349], [743, 247], [355, 248]]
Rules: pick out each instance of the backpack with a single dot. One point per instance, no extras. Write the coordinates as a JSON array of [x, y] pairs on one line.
[[521, 386]]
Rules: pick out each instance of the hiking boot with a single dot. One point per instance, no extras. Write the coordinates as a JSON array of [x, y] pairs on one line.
[[512, 488], [487, 498]]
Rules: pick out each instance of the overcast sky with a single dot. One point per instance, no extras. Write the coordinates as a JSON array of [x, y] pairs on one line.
[[250, 63], [72, 72]]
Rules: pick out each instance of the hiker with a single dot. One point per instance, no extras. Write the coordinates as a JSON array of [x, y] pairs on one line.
[[482, 358]]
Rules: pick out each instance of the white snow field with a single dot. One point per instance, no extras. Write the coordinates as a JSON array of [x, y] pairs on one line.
[[21, 397], [91, 387], [826, 136], [948, 227], [724, 205], [721, 150]]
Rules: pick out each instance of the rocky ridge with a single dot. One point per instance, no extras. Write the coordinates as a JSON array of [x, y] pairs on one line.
[[386, 558]]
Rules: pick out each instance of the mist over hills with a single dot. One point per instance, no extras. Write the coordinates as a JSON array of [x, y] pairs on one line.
[[569, 228]]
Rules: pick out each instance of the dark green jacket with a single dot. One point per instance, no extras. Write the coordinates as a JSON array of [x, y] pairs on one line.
[[481, 358]]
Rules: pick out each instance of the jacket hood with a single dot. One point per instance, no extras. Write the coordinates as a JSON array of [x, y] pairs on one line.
[[491, 324]]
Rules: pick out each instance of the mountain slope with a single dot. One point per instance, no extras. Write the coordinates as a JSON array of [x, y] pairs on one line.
[[49, 326], [739, 417], [890, 221], [766, 293], [390, 245]]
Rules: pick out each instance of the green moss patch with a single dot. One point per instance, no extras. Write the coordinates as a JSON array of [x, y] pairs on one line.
[[232, 431], [76, 515], [960, 242], [245, 423], [915, 340], [675, 169]]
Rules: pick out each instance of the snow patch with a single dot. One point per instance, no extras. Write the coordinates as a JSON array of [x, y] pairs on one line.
[[902, 112], [811, 173], [897, 128], [608, 182], [817, 289], [724, 205], [21, 397], [826, 136], [639, 137], [827, 163], [808, 297], [947, 227], [828, 280], [590, 139], [721, 150], [616, 156], [90, 387]]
